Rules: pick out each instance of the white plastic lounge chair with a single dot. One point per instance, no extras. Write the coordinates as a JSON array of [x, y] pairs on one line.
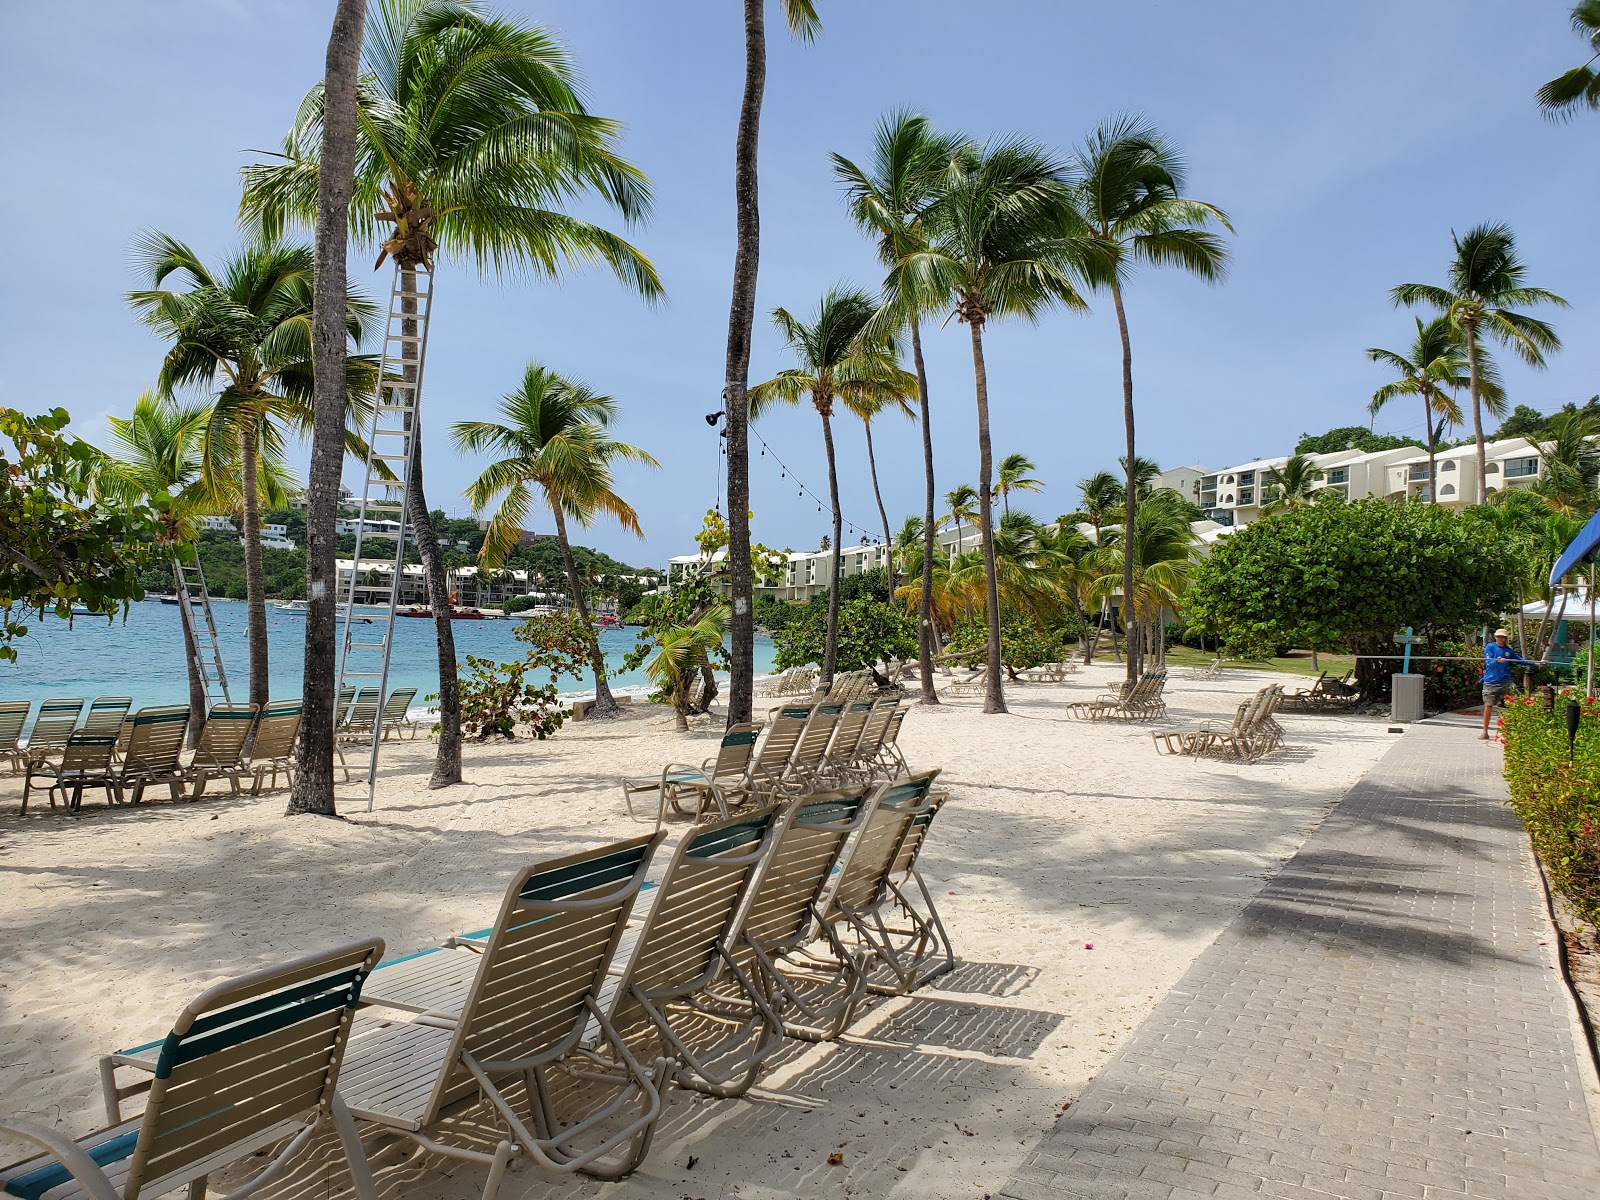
[[273, 750], [85, 762], [722, 781], [151, 755], [220, 754], [13, 716], [249, 1064]]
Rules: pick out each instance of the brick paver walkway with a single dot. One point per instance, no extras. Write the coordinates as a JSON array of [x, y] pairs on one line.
[[1381, 1021]]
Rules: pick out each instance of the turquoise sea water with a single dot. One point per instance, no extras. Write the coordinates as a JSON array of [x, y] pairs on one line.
[[142, 657]]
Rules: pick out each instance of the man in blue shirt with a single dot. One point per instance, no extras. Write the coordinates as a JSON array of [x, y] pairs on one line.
[[1498, 656]]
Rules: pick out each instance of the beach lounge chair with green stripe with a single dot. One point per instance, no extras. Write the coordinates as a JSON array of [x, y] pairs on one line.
[[805, 772], [785, 724], [515, 1013], [833, 771], [85, 762], [722, 782], [56, 722], [220, 754], [864, 765], [273, 749], [151, 755], [13, 716], [891, 762], [394, 716], [105, 714], [251, 1063]]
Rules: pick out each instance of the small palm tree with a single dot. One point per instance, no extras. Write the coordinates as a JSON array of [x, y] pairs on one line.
[[1292, 485], [1132, 198], [242, 333], [1569, 454], [1013, 477], [837, 358], [683, 654], [963, 504], [1486, 279], [1579, 87], [1434, 367], [553, 437], [1099, 500], [866, 405], [1163, 560]]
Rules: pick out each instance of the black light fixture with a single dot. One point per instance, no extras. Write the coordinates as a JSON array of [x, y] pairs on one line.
[[713, 418], [1574, 718]]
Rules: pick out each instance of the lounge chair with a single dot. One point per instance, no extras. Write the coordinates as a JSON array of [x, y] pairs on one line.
[[56, 722], [1053, 672], [394, 716], [1322, 696], [1212, 670], [834, 769], [517, 1013], [151, 754], [1142, 702], [357, 724], [776, 685], [1251, 734], [105, 714], [973, 683], [805, 772], [723, 780], [891, 761], [220, 754], [923, 949], [785, 726], [249, 1064], [85, 762], [273, 749], [13, 716], [1190, 739]]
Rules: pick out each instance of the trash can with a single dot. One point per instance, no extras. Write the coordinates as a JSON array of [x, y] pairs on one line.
[[1406, 697]]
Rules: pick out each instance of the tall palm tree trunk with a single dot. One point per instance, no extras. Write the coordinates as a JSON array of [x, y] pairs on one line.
[[735, 398], [1477, 411], [605, 704], [926, 634], [312, 787], [191, 655], [994, 700], [830, 648], [1131, 500], [1433, 466], [883, 515], [254, 585]]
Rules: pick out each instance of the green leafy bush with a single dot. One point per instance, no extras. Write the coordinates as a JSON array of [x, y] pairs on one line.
[[870, 631], [1557, 799], [496, 697], [1023, 643]]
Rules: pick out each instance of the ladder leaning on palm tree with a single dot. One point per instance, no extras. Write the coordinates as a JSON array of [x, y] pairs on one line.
[[190, 581], [391, 436]]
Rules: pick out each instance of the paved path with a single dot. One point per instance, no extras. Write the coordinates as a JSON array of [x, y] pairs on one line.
[[1381, 1021]]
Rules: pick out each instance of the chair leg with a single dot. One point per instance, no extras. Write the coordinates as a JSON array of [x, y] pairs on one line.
[[355, 1154], [197, 1189]]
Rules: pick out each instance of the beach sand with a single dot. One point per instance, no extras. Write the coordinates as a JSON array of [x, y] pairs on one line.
[[1059, 836]]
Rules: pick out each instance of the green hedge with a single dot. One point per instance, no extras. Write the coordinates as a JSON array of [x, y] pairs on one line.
[[1558, 800]]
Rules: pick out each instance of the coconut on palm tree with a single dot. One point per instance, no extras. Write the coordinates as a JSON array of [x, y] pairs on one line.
[[1486, 285], [1433, 368], [473, 136], [1579, 87], [241, 332], [1013, 477], [803, 23], [553, 440], [837, 357], [962, 502], [887, 198], [1132, 198]]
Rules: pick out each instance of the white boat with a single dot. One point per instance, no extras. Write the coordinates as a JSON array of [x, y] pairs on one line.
[[292, 605]]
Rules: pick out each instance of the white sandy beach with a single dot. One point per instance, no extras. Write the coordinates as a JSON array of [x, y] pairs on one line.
[[1058, 836]]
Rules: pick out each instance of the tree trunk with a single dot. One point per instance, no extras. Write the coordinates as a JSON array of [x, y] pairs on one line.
[[708, 687], [735, 398], [191, 654], [994, 700], [605, 704], [447, 762], [1131, 500], [312, 790], [1477, 411], [883, 515], [830, 647], [926, 633], [1433, 466], [254, 585]]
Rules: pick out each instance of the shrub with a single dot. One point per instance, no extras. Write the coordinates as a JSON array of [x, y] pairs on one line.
[[869, 631], [1557, 799], [1022, 643], [497, 697]]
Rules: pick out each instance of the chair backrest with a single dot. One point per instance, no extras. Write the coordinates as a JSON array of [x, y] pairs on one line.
[[883, 712], [814, 741], [905, 860], [105, 714], [364, 710], [398, 704], [341, 707], [245, 1059], [848, 733], [545, 960], [784, 903], [733, 755], [891, 731], [864, 875], [13, 716], [694, 912], [54, 724], [227, 730], [155, 740], [88, 754], [784, 726], [280, 726]]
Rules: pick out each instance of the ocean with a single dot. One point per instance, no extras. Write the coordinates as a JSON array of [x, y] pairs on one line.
[[142, 656]]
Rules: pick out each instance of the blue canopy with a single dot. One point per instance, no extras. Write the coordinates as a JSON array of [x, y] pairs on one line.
[[1582, 547]]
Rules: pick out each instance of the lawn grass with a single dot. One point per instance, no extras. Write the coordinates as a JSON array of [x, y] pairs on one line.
[[1298, 662]]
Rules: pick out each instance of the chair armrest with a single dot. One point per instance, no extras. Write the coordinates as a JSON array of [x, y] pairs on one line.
[[71, 1156]]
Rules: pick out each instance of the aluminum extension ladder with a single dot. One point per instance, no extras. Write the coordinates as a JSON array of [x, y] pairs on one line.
[[365, 649], [192, 592]]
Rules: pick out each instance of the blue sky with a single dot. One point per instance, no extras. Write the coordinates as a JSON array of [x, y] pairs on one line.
[[1345, 141]]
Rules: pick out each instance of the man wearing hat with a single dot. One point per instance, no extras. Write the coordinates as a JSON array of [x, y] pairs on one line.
[[1497, 659]]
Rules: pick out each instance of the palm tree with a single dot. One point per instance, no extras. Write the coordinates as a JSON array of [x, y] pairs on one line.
[[1433, 368], [1162, 561], [1013, 477], [1485, 280], [962, 501], [1563, 95], [1293, 484], [887, 200], [554, 436], [866, 405], [1145, 472], [472, 135], [156, 456], [837, 359], [803, 24], [683, 653], [1005, 241], [1100, 497], [243, 333], [1570, 460], [1132, 197]]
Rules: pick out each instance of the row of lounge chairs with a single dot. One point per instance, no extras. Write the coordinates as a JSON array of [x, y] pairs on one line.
[[796, 681], [1325, 695], [552, 1036], [1252, 733], [976, 681], [1140, 701], [806, 748]]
